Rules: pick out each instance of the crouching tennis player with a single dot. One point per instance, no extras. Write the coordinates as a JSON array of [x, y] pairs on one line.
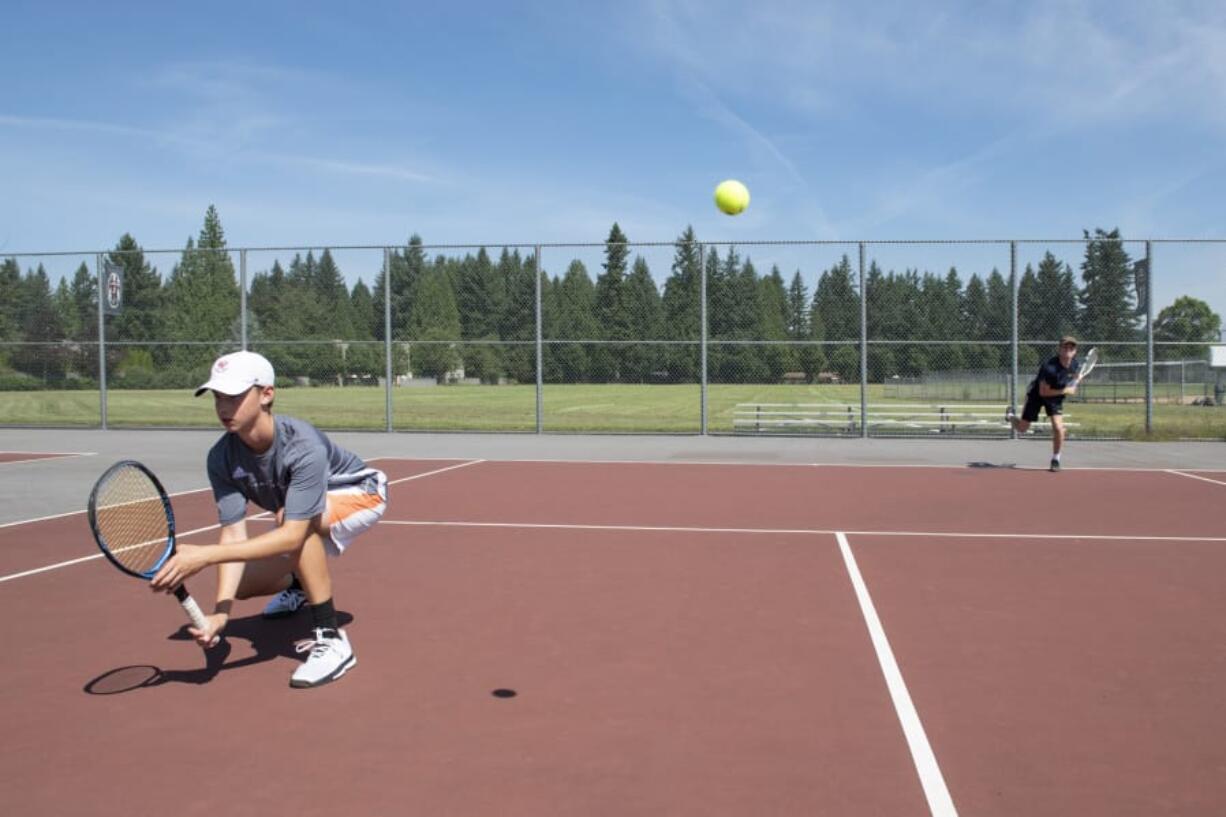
[[323, 496]]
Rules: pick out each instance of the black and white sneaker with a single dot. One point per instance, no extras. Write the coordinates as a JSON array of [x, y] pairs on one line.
[[1011, 416], [1055, 465], [331, 657], [285, 603]]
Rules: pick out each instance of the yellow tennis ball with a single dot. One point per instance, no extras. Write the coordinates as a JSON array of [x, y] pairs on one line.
[[732, 197]]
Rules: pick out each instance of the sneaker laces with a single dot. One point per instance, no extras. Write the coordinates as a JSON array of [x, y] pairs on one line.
[[319, 645]]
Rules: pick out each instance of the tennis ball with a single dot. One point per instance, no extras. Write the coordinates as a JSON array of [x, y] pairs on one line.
[[732, 197]]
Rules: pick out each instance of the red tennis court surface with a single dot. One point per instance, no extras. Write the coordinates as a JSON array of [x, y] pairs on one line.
[[683, 639]]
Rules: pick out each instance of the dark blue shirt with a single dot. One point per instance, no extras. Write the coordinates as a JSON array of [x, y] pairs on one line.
[[1055, 376]]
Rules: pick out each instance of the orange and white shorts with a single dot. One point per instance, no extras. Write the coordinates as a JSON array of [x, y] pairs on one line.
[[353, 509]]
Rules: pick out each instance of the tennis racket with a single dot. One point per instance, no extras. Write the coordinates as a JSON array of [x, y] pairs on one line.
[[134, 526], [1088, 364]]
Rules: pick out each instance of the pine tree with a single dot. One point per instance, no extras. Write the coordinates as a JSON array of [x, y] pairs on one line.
[[773, 315], [576, 321], [10, 299], [40, 327], [333, 295], [480, 297], [518, 320], [141, 317], [836, 309], [681, 308], [1107, 299], [645, 313], [611, 309], [435, 320], [202, 301], [1057, 295]]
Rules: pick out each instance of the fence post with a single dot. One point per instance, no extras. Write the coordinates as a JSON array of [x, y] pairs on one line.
[[540, 357], [1149, 338], [242, 296], [863, 349], [387, 335], [101, 345], [1013, 329], [702, 328]]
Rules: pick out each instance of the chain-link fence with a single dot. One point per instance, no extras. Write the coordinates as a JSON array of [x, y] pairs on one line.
[[835, 338]]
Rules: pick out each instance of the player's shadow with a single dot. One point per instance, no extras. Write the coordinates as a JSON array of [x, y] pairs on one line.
[[982, 464], [268, 638]]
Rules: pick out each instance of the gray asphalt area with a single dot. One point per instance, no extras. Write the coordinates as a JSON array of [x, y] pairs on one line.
[[31, 489]]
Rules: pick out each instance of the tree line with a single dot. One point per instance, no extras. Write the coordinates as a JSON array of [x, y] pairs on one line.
[[477, 313]]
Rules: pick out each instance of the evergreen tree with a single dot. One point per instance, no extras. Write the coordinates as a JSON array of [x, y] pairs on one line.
[[480, 297], [10, 299], [998, 323], [332, 293], [645, 313], [83, 305], [773, 315], [611, 308], [518, 320], [405, 269], [40, 328], [366, 357], [202, 302], [1107, 299], [436, 320], [576, 321], [976, 312], [836, 310], [797, 323], [681, 308], [141, 317], [836, 304], [1057, 294]]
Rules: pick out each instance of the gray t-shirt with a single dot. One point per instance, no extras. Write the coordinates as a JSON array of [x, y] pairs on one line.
[[294, 474]]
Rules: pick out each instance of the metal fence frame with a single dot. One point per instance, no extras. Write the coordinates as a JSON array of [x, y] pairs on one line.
[[704, 340]]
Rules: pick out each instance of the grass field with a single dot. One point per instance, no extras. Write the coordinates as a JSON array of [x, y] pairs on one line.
[[565, 408]]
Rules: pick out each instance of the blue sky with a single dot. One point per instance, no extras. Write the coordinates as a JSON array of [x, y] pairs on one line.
[[341, 124]]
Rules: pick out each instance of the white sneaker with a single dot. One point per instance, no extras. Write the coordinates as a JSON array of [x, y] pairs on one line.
[[285, 603], [330, 658]]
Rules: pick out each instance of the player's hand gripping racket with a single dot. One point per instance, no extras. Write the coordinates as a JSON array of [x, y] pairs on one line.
[[134, 525], [1087, 365]]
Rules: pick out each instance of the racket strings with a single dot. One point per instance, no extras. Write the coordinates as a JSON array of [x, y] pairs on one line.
[[131, 519]]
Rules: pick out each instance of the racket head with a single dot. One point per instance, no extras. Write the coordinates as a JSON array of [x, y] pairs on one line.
[[1088, 363], [131, 519]]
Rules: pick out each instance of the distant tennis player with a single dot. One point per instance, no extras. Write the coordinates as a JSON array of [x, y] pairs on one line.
[[323, 496], [1057, 378]]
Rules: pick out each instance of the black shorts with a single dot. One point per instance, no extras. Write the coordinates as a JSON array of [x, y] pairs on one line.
[[1054, 406]]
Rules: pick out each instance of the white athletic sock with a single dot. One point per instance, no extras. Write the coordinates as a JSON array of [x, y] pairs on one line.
[[1056, 457]]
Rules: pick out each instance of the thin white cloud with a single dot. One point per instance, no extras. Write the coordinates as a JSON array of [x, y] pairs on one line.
[[382, 171]]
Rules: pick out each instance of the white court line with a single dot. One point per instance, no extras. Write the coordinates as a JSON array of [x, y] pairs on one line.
[[439, 523], [82, 511], [47, 456], [766, 464], [1195, 476], [437, 471], [939, 801], [198, 490], [70, 562], [258, 516]]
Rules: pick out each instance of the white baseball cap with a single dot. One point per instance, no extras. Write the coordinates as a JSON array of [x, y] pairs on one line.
[[237, 372]]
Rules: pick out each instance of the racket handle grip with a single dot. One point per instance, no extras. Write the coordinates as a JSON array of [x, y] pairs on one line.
[[191, 608]]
